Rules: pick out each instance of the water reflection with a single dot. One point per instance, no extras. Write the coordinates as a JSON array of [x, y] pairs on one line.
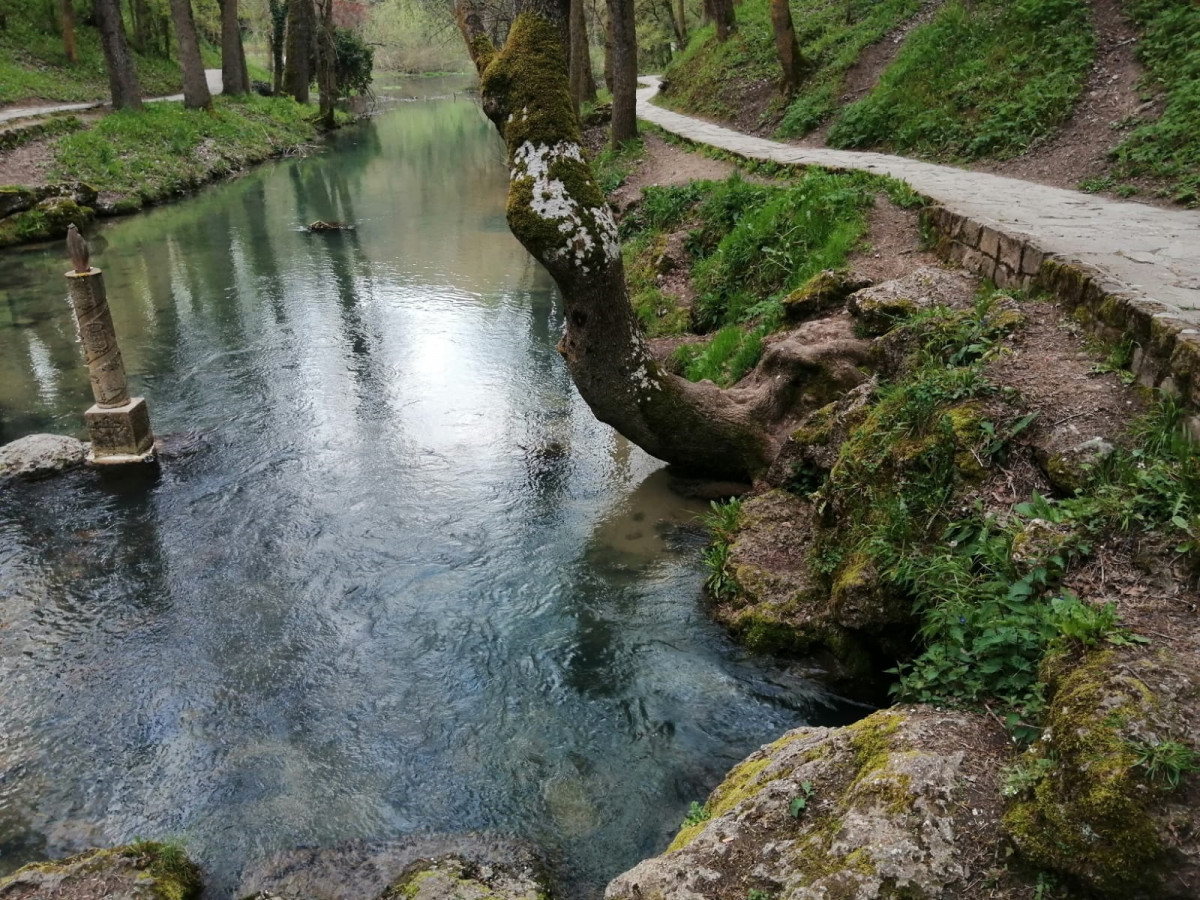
[[408, 581]]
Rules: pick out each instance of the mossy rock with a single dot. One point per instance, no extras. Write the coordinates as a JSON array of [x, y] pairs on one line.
[[870, 810], [825, 291], [1098, 814], [47, 220], [457, 878], [145, 870]]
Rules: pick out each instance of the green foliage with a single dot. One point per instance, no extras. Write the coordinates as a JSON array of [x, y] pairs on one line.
[[697, 813], [154, 153], [724, 359], [722, 524], [354, 63], [1168, 148], [1022, 777], [988, 80], [611, 167], [800, 802], [1166, 762]]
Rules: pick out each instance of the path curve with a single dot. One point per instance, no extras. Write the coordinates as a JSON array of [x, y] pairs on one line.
[[1149, 252], [215, 86]]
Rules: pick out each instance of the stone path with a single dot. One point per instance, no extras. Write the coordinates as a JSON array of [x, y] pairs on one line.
[[29, 112], [1149, 252]]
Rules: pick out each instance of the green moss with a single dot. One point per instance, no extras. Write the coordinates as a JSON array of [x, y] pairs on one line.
[[48, 220], [824, 291], [175, 877], [1089, 817], [817, 428], [871, 741]]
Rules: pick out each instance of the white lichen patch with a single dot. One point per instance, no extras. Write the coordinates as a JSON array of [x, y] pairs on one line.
[[584, 228]]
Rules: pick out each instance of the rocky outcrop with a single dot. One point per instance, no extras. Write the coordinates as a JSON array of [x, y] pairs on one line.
[[40, 455], [880, 308], [141, 871], [901, 804]]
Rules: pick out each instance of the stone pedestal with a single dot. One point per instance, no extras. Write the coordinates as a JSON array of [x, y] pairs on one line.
[[120, 434]]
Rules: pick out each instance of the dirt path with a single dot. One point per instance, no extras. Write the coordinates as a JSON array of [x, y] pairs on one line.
[[1151, 254], [11, 113]]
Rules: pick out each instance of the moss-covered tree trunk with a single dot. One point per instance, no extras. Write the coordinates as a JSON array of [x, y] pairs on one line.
[[560, 215], [720, 13], [297, 74], [326, 65], [786, 46], [679, 22], [624, 63], [234, 75], [278, 10], [122, 77], [195, 85]]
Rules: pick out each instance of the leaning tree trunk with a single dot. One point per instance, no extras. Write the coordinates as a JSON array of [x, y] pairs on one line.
[[195, 84], [235, 77], [122, 76], [583, 86], [786, 46], [624, 64], [297, 75], [556, 210]]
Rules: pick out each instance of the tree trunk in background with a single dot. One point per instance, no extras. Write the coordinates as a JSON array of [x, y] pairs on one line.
[[608, 54], [786, 46], [326, 65], [583, 85], [720, 12], [195, 84], [234, 75], [296, 74], [67, 14], [624, 63], [140, 16], [556, 210], [679, 22], [122, 76], [278, 30]]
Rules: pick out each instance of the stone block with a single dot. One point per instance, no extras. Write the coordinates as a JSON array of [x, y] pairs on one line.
[[1031, 260], [1005, 277], [969, 232], [977, 262], [989, 243], [120, 434], [1010, 253]]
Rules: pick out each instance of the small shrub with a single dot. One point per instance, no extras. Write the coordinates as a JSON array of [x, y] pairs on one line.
[[697, 814]]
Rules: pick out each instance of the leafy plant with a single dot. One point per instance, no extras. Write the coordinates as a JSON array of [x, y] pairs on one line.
[[1166, 762], [1024, 776], [801, 801], [696, 814]]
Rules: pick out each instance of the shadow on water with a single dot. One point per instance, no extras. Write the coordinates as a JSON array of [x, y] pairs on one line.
[[405, 583]]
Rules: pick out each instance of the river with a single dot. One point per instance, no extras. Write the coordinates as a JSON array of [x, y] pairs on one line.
[[405, 582]]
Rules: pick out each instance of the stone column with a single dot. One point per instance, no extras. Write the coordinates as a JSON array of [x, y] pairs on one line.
[[119, 424]]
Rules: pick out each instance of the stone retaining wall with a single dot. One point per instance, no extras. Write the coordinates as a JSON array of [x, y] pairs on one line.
[[1165, 350]]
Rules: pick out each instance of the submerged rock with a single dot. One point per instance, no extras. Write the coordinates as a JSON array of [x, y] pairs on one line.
[[140, 871], [901, 804], [40, 455]]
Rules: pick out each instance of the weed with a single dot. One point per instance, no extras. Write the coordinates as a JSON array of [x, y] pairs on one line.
[[696, 814], [612, 167], [1166, 762], [801, 801], [1024, 776], [722, 524], [756, 894]]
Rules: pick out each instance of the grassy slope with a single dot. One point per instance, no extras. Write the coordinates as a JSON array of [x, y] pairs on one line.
[[985, 82], [1170, 147]]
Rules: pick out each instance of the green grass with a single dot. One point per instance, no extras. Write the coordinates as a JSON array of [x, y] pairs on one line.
[[831, 36], [1170, 147], [34, 66], [165, 148], [988, 81]]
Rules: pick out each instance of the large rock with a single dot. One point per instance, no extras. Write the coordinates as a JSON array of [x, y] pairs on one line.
[[904, 803], [40, 455], [880, 308], [140, 871]]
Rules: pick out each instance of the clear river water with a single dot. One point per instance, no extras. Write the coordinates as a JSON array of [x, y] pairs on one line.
[[403, 583]]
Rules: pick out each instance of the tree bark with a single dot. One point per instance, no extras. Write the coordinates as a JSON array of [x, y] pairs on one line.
[[235, 77], [624, 65], [278, 30], [679, 22], [122, 76], [583, 86], [720, 12], [608, 53], [786, 46], [195, 84], [326, 65], [297, 75], [556, 210], [67, 13]]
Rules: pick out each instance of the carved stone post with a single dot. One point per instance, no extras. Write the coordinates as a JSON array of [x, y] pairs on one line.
[[119, 424]]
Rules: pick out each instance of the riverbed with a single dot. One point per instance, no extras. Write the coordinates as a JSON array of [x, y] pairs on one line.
[[399, 581]]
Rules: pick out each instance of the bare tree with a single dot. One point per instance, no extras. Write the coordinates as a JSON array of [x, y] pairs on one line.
[[297, 74], [786, 46], [122, 76], [67, 14], [195, 85], [560, 215], [624, 71], [278, 9], [234, 75]]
